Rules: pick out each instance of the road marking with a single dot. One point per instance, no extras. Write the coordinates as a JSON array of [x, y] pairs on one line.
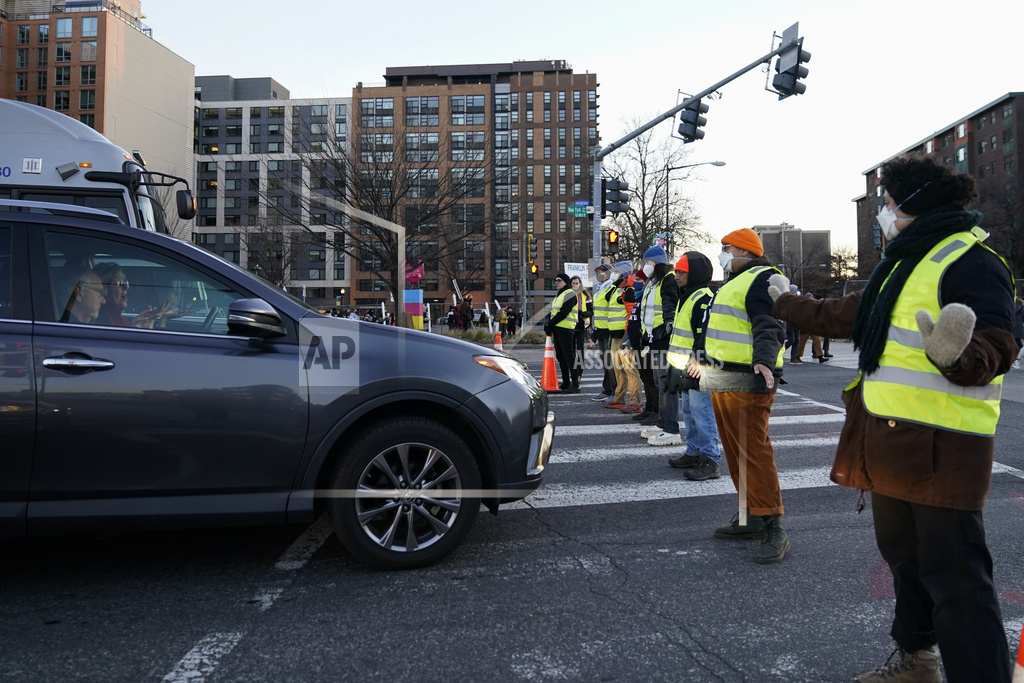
[[642, 450], [571, 495], [203, 658], [620, 428], [299, 552], [266, 596]]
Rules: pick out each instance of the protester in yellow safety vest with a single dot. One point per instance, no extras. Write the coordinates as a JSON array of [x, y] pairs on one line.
[[934, 330], [561, 324], [604, 309], [742, 366], [584, 317], [700, 461], [657, 312]]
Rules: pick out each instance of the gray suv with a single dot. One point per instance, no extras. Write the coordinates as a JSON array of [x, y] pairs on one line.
[[147, 384]]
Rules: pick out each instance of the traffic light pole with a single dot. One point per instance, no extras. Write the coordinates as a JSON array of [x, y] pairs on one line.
[[601, 152]]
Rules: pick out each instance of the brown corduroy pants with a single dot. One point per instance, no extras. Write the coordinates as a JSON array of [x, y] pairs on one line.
[[742, 420]]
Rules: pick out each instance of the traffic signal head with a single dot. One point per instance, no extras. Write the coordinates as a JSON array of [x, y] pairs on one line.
[[614, 197], [790, 65], [533, 269], [691, 120], [613, 241], [531, 249]]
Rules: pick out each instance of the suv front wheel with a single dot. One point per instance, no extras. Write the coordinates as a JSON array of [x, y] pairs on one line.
[[400, 493]]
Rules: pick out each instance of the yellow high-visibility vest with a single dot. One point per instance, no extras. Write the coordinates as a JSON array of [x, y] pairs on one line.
[[907, 385], [568, 321], [659, 315], [680, 346], [608, 313], [730, 337]]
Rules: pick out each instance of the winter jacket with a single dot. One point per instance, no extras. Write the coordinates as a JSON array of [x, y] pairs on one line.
[[768, 334], [909, 461]]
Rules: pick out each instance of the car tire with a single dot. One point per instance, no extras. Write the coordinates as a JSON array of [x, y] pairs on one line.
[[404, 530]]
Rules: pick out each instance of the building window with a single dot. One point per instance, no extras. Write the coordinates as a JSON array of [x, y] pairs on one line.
[[88, 119], [254, 131], [377, 113], [64, 28], [275, 112], [41, 80], [233, 113], [88, 75], [42, 57], [89, 27], [468, 110], [211, 113], [21, 58], [61, 100], [275, 147], [422, 111], [233, 148], [44, 34], [254, 148], [318, 110], [88, 50], [233, 131], [62, 52]]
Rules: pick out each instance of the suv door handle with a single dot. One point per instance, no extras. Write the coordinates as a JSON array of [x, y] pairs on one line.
[[82, 364]]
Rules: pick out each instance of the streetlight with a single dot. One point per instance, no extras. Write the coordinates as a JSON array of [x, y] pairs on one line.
[[668, 196]]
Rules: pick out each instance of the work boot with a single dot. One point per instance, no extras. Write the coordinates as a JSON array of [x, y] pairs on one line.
[[684, 462], [753, 529], [705, 469], [921, 666], [774, 542]]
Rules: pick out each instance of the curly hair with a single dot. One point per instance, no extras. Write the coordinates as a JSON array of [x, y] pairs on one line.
[[920, 184]]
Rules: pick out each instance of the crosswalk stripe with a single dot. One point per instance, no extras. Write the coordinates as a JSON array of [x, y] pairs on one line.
[[643, 450], [626, 428]]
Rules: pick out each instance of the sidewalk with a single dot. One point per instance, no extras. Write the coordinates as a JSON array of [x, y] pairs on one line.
[[843, 356]]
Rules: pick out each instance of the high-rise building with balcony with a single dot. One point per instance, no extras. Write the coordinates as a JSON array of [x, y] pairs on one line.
[[479, 156], [97, 62], [987, 144]]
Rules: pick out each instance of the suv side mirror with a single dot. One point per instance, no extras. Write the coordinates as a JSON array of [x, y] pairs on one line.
[[254, 318]]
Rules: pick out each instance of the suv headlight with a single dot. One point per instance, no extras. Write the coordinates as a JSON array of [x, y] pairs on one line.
[[509, 367]]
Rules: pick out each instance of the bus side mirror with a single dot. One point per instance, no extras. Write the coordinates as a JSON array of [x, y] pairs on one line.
[[186, 204]]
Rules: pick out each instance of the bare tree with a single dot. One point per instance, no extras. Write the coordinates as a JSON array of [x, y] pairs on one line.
[[1006, 222], [656, 207]]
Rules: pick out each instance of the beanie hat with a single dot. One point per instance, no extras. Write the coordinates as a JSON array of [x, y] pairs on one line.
[[565, 278], [624, 267], [656, 254], [602, 266], [745, 239], [640, 276], [683, 264]]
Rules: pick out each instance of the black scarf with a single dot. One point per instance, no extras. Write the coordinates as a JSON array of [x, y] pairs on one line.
[[871, 322]]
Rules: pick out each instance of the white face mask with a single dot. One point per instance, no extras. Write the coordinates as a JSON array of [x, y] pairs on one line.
[[649, 269], [614, 277], [887, 219], [725, 259]]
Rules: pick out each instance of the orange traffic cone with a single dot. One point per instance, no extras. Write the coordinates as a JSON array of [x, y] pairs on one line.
[[497, 342], [1018, 670], [549, 376]]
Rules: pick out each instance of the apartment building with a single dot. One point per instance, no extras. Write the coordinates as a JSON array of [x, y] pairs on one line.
[[986, 143], [97, 62], [804, 256], [479, 156], [264, 185]]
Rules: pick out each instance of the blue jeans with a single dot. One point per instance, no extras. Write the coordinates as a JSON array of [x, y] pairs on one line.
[[668, 413], [701, 429]]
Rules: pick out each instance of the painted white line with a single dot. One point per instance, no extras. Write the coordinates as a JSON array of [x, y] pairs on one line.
[[829, 406], [568, 495], [203, 658], [298, 554], [644, 451], [999, 468], [266, 597], [625, 428]]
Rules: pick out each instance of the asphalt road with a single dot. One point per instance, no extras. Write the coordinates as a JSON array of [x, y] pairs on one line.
[[609, 572]]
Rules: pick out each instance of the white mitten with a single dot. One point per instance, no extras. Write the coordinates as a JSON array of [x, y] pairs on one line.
[[946, 338], [778, 284]]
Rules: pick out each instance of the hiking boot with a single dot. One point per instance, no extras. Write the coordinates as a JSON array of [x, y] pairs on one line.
[[684, 462], [753, 529], [648, 432], [921, 666], [705, 469], [823, 359], [665, 439], [774, 542]]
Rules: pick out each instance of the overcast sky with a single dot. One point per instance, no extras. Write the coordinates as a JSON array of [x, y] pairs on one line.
[[883, 75]]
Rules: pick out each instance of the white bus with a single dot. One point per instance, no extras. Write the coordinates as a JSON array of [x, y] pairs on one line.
[[50, 157]]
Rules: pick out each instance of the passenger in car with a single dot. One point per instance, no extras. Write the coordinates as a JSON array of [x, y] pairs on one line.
[[85, 300], [116, 294]]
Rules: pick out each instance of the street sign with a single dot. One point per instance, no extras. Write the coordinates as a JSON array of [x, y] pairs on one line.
[[578, 211]]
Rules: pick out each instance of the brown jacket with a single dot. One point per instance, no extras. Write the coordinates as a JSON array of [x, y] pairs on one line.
[[903, 460]]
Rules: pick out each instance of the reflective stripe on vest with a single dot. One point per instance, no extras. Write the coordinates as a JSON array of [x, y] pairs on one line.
[[659, 314], [730, 337], [570, 320], [680, 346], [608, 313], [907, 386]]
